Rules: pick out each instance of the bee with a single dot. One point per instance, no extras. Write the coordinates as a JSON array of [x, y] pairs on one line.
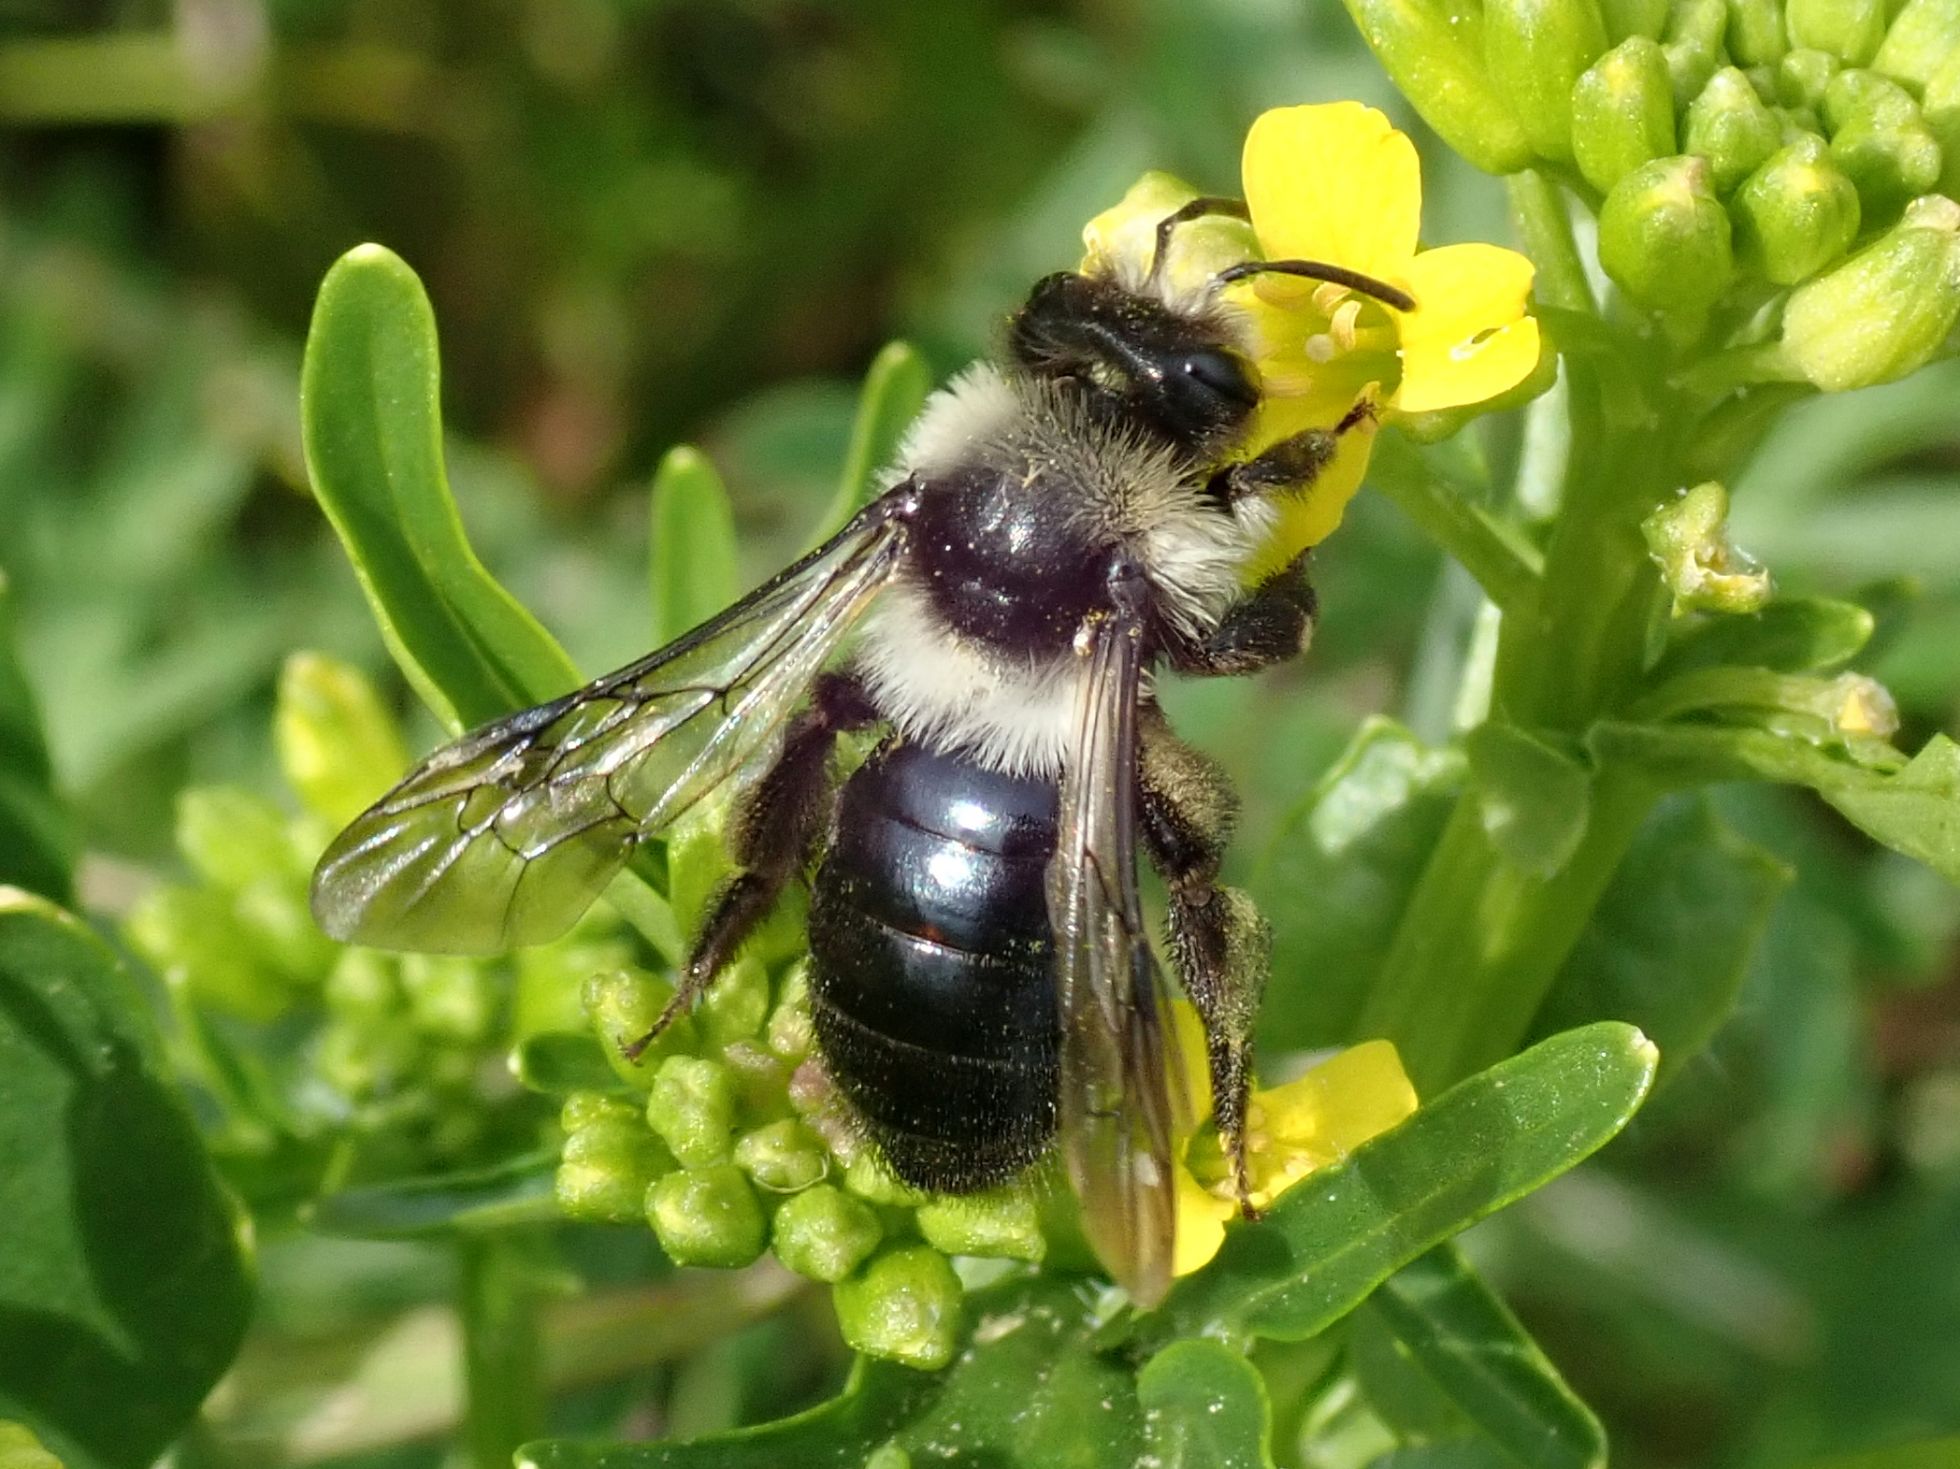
[[1062, 524]]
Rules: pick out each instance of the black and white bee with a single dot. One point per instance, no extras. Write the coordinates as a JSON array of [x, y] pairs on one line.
[[1062, 525]]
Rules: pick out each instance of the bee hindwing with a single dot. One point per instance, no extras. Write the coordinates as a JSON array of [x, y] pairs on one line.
[[506, 836]]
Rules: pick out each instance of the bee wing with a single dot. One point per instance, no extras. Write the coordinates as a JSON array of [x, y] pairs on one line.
[[506, 836], [1122, 1089]]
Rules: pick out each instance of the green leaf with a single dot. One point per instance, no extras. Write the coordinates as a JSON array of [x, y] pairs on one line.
[[124, 1285], [1336, 879], [372, 425], [1465, 1339], [1790, 635], [1670, 942], [1204, 1407], [1029, 1391], [694, 570], [517, 1191], [894, 391], [1914, 808], [1488, 1140], [37, 840], [1532, 800]]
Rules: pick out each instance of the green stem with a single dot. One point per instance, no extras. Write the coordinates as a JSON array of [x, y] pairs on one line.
[[1545, 229], [497, 1304], [1504, 567]]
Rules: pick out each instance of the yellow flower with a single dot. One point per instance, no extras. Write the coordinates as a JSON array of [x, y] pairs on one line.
[[1335, 184], [1291, 1132]]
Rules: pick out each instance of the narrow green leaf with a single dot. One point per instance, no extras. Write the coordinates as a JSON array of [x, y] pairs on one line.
[[894, 391], [37, 840], [518, 1191], [1204, 1407], [125, 1285], [1670, 942], [1485, 1142], [1912, 808], [1449, 1453], [1475, 1350], [1790, 635], [694, 570], [1532, 799], [1339, 873], [372, 425]]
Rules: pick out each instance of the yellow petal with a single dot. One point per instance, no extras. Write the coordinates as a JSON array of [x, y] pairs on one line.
[[1189, 1032], [1468, 338], [1342, 1102], [1308, 518], [1201, 1217], [1335, 183]]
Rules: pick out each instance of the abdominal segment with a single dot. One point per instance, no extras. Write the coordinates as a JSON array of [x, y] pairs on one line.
[[932, 985]]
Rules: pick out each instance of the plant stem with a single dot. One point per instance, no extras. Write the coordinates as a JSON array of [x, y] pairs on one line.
[[1503, 567], [1545, 229], [497, 1304]]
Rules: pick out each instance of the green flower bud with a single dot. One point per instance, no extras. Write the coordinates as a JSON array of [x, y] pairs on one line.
[[1923, 38], [1849, 29], [365, 1061], [1689, 540], [337, 746], [1796, 214], [1433, 52], [736, 1004], [451, 999], [196, 944], [692, 1108], [791, 1033], [1001, 1224], [867, 1176], [1887, 309], [707, 1216], [550, 980], [609, 1160], [1626, 18], [1879, 139], [904, 1306], [824, 1233], [761, 1080], [1694, 45], [623, 1005], [275, 918], [1622, 112], [1535, 50], [1664, 237], [363, 986], [1756, 36], [20, 1449], [1729, 125], [1803, 76], [1941, 111], [232, 837], [783, 1157]]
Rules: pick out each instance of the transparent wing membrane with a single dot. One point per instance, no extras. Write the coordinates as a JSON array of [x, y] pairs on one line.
[[1122, 1090], [505, 837]]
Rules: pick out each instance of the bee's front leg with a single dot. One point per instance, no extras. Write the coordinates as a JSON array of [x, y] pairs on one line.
[[1272, 624], [1292, 465], [774, 826], [1220, 945]]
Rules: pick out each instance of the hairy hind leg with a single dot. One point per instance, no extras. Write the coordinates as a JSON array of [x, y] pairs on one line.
[[775, 825]]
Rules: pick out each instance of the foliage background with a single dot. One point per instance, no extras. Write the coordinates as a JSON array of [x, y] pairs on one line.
[[650, 220]]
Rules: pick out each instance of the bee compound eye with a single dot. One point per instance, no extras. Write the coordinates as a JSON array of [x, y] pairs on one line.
[[1220, 373]]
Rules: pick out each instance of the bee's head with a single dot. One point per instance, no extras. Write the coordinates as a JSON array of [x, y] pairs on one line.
[[1174, 376]]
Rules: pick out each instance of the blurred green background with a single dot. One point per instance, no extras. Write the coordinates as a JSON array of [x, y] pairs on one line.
[[648, 221]]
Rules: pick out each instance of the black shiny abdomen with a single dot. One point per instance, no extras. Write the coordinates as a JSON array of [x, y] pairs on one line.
[[932, 981]]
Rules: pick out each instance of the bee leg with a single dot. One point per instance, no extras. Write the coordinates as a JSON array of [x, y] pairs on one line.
[[1272, 624], [1291, 465], [1220, 945], [775, 824]]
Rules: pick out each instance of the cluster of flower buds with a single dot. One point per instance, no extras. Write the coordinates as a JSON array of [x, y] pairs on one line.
[[1736, 150], [403, 1051]]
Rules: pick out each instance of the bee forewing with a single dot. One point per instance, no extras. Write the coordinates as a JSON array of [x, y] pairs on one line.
[[505, 837], [1122, 1090]]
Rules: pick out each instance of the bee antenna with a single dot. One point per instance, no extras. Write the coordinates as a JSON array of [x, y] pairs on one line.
[[1196, 208], [1315, 270]]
